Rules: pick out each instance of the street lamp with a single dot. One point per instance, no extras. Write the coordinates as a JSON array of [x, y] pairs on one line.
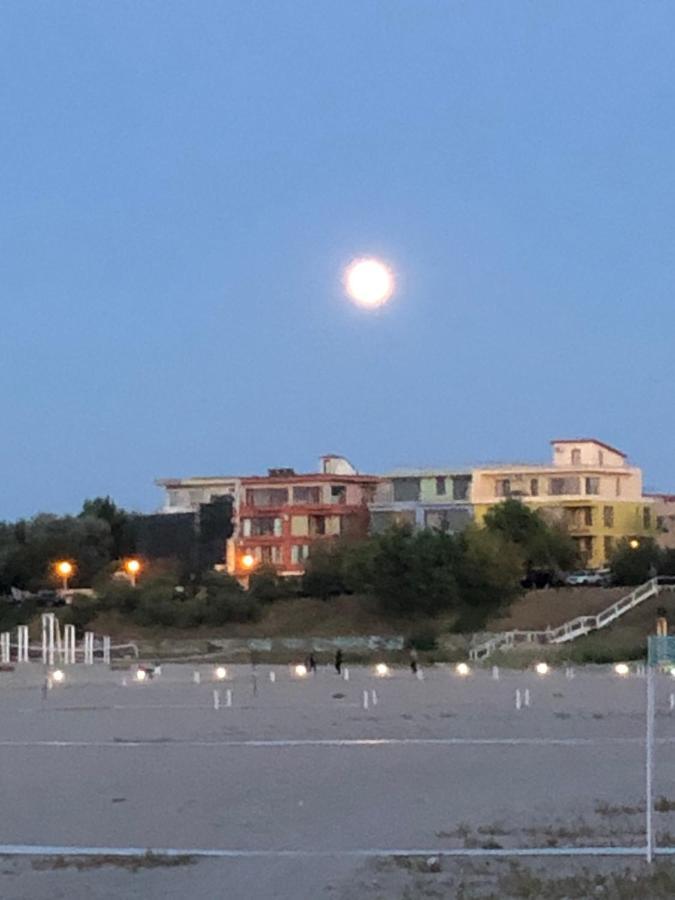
[[248, 560], [64, 570], [132, 568], [634, 544]]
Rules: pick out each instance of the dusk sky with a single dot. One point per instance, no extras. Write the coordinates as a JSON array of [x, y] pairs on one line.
[[182, 185]]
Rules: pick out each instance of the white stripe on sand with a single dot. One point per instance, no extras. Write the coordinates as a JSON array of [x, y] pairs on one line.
[[217, 853], [338, 742]]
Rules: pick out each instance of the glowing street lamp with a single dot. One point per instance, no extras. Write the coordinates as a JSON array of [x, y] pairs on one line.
[[132, 567], [634, 544], [621, 669], [58, 676], [64, 570], [462, 669], [248, 560], [541, 668], [382, 670]]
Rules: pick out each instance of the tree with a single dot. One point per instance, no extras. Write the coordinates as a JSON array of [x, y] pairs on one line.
[[635, 564], [490, 570], [542, 546], [119, 521]]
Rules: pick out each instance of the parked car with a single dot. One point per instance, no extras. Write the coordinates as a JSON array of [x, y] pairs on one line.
[[590, 578]]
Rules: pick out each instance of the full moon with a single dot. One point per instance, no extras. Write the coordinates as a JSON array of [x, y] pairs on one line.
[[369, 282]]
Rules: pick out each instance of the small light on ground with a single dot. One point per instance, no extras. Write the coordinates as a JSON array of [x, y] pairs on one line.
[[382, 669], [462, 669], [621, 669], [141, 675], [542, 668], [301, 670], [58, 676], [221, 673]]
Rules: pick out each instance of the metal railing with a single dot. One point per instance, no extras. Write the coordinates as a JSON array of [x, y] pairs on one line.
[[577, 627]]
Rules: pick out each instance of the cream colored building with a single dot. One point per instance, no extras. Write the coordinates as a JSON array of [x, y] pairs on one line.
[[588, 486]]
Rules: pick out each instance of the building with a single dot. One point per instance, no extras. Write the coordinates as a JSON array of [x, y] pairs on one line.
[[281, 514], [187, 494], [422, 498], [589, 487], [664, 516]]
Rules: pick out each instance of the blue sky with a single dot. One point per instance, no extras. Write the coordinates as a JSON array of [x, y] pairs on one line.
[[182, 184]]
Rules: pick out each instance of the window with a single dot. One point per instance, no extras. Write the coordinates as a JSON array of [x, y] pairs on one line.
[[592, 485], [460, 487], [265, 526], [588, 515], [534, 487], [661, 523], [609, 547], [503, 487], [266, 496], [608, 516], [299, 553], [558, 486], [440, 486], [406, 489], [317, 525], [576, 457], [646, 517], [338, 493], [306, 495]]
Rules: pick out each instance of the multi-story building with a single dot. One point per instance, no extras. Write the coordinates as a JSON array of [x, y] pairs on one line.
[[589, 487], [282, 514], [664, 516], [187, 494], [422, 498]]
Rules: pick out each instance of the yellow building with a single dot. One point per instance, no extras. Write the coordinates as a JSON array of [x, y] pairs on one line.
[[589, 487]]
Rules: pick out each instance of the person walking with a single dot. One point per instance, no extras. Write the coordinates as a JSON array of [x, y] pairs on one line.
[[338, 661], [413, 661], [311, 664]]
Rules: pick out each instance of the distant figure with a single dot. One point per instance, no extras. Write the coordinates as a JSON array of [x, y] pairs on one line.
[[311, 664], [413, 661], [338, 662], [661, 622]]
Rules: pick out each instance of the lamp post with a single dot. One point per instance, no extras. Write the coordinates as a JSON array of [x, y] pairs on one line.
[[64, 570], [132, 567]]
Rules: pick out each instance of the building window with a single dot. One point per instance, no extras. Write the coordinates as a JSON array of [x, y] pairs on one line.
[[503, 487], [306, 495], [608, 516], [661, 523], [440, 486], [588, 516], [317, 525], [576, 457], [460, 487], [406, 489], [560, 486], [262, 526], [609, 547], [592, 485], [338, 493], [299, 553], [646, 517], [267, 497], [534, 487]]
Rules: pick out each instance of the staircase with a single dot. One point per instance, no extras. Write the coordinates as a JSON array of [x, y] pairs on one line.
[[575, 628]]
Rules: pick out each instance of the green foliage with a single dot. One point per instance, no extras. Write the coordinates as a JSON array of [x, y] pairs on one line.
[[489, 573], [542, 545], [634, 565], [120, 523], [265, 585]]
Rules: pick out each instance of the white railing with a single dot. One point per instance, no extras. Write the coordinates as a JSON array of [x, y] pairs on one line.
[[577, 627]]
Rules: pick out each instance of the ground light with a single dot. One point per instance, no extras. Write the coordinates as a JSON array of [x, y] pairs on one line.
[[462, 669], [542, 668], [382, 669], [58, 676], [301, 670], [621, 669], [220, 673], [141, 675]]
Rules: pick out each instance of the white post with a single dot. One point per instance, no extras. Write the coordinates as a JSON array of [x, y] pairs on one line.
[[216, 699], [228, 697], [527, 696], [196, 677], [373, 697], [365, 699], [345, 674], [106, 649], [69, 644], [518, 702], [649, 763], [48, 630], [671, 704], [43, 621], [89, 648], [420, 675], [22, 643], [495, 673], [273, 677], [4, 647]]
